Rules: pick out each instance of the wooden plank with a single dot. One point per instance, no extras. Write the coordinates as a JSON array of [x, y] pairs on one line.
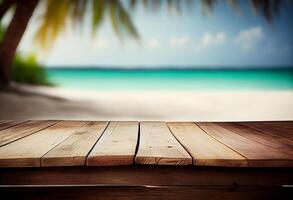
[[28, 151], [282, 124], [7, 124], [147, 175], [275, 129], [204, 149], [157, 146], [116, 146], [261, 137], [258, 155], [125, 192], [23, 130], [73, 150]]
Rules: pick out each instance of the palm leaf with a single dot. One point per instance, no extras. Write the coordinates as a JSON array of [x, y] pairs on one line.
[[58, 13], [54, 23], [98, 8]]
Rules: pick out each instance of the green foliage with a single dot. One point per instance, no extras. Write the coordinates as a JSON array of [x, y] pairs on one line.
[[1, 33], [27, 70]]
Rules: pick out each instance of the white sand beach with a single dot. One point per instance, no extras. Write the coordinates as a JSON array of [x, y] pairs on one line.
[[34, 102]]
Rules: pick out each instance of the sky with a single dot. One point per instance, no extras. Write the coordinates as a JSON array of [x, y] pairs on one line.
[[224, 38]]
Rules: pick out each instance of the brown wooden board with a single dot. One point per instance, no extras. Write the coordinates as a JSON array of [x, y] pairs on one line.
[[116, 146], [270, 140], [275, 129], [157, 146], [257, 154], [7, 124], [147, 175], [22, 130], [27, 152], [204, 149], [74, 149], [71, 143], [95, 192]]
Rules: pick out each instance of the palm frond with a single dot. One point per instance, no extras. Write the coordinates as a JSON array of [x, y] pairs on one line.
[[78, 10], [59, 12], [54, 22], [121, 20], [98, 10], [268, 8]]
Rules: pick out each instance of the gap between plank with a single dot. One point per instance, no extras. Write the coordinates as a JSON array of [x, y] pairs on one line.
[[137, 143], [261, 130], [13, 125], [60, 141], [192, 159], [30, 133], [221, 142], [97, 142], [252, 139]]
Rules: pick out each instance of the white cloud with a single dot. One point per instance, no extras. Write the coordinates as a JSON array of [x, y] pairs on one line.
[[179, 41], [247, 39], [212, 39], [153, 43], [100, 44]]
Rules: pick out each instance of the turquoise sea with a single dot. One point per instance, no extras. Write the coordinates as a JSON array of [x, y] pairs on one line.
[[171, 79]]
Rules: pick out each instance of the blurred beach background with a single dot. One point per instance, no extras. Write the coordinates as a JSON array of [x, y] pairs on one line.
[[230, 62]]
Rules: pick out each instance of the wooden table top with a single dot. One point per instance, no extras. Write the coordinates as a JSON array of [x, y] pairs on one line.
[[94, 143]]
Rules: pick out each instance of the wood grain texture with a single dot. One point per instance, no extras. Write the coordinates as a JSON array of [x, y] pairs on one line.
[[204, 149], [270, 140], [116, 146], [157, 146], [281, 124], [27, 152], [74, 149], [147, 175], [22, 130], [257, 154], [275, 129], [7, 124], [123, 192], [74, 143]]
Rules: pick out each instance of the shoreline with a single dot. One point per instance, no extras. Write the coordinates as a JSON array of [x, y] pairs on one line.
[[38, 102]]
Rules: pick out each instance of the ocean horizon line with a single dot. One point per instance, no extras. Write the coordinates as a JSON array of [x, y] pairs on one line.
[[170, 68], [166, 78]]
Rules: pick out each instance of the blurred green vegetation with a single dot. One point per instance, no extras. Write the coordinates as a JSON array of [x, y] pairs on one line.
[[27, 70]]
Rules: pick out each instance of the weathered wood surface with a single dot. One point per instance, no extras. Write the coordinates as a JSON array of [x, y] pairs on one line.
[[27, 152], [275, 129], [257, 154], [81, 143], [22, 130], [116, 146], [204, 149], [268, 139], [7, 124], [74, 149], [157, 146]]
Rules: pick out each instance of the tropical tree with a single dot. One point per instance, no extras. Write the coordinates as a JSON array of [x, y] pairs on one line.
[[57, 12], [13, 33]]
